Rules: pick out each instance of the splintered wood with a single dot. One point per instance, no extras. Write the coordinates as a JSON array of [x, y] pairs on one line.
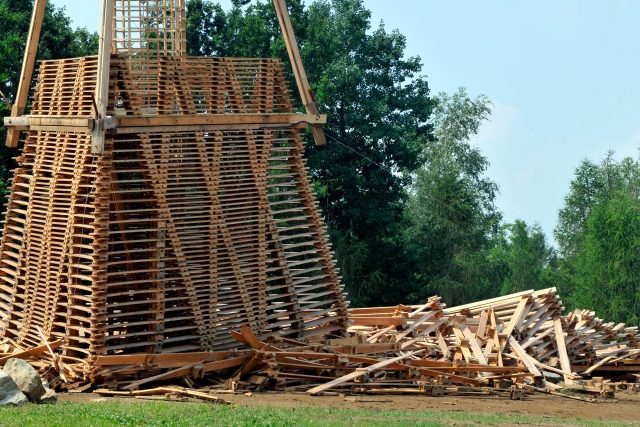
[[508, 346], [193, 217]]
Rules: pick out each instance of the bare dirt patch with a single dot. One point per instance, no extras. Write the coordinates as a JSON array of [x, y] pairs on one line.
[[626, 406]]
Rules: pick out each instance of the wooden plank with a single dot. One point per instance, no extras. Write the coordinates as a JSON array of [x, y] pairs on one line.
[[475, 348], [524, 357], [361, 372], [306, 94], [521, 311], [28, 64], [104, 67], [168, 360], [562, 348], [428, 316], [32, 352], [220, 119], [174, 373], [25, 122]]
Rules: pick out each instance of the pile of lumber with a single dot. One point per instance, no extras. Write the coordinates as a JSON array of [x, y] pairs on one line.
[[507, 346]]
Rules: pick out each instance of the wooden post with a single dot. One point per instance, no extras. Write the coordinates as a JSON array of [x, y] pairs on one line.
[[298, 69], [31, 50], [104, 65]]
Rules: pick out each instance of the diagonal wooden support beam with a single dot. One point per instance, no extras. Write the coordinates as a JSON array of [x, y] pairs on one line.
[[298, 69], [104, 66], [565, 363], [31, 50]]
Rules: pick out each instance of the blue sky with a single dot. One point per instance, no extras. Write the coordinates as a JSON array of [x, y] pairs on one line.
[[562, 75]]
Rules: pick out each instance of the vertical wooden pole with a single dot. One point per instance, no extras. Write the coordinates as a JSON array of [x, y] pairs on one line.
[[104, 66], [298, 69], [28, 64]]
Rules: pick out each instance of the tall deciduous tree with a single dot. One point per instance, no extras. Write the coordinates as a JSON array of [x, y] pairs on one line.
[[452, 218], [58, 40], [593, 187], [598, 236], [530, 260], [608, 266], [592, 184]]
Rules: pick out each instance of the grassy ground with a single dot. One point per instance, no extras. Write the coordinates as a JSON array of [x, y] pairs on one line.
[[196, 414]]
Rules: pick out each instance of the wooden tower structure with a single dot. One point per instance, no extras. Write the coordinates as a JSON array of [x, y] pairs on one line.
[[161, 201]]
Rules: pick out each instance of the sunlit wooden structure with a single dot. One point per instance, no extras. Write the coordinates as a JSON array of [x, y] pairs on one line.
[[161, 201]]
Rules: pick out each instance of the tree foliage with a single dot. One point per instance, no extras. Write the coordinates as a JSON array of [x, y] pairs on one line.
[[58, 40], [599, 239], [529, 258], [608, 266], [451, 216]]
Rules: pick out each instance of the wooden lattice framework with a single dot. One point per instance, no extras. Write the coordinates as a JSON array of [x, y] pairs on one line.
[[162, 201]]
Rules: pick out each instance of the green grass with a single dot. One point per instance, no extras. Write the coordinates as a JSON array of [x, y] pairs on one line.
[[195, 414]]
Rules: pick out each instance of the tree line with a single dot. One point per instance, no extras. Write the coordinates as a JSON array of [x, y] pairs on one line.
[[409, 207]]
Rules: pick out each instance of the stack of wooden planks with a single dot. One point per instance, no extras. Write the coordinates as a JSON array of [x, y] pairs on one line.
[[508, 346], [192, 216]]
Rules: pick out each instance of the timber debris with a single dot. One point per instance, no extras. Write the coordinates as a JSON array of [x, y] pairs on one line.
[[508, 346]]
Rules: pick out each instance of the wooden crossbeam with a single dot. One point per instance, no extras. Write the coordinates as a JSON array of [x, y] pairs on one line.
[[184, 123]]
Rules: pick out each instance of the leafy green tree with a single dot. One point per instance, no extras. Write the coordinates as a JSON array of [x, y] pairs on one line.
[[592, 184], [58, 40], [529, 259], [608, 267], [451, 215], [596, 219]]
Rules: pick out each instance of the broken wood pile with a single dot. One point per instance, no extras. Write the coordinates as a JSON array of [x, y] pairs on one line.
[[602, 347], [506, 346]]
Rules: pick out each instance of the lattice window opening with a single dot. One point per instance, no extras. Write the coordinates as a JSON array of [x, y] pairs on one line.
[[149, 28]]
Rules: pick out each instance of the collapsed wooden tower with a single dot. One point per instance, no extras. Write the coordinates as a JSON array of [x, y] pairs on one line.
[[161, 201]]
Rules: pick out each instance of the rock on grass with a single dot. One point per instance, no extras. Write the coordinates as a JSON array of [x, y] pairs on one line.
[[10, 394], [26, 378]]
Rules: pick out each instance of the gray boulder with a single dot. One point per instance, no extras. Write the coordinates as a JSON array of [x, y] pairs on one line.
[[49, 396], [26, 378], [10, 394]]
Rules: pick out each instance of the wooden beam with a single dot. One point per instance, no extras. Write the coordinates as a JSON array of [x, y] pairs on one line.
[[562, 347], [168, 360], [28, 64], [521, 311], [524, 357], [361, 372], [24, 122], [306, 94], [104, 67], [220, 119], [144, 124], [33, 351]]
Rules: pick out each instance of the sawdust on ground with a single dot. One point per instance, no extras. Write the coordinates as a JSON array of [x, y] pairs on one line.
[[626, 406]]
